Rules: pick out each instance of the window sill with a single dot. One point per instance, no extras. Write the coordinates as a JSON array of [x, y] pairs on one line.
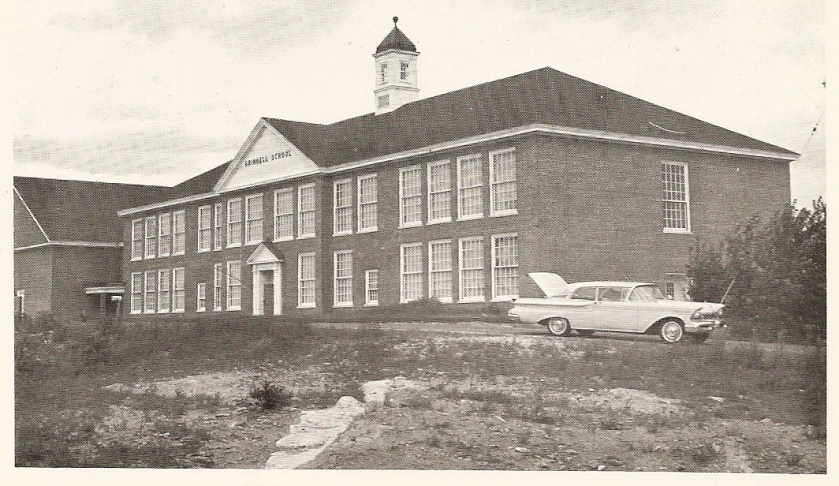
[[149, 312], [368, 230], [164, 311], [249, 243], [511, 212], [180, 253], [342, 233], [471, 300], [148, 258], [136, 313], [410, 225], [200, 310], [677, 231], [342, 305], [443, 300], [161, 255], [283, 238], [439, 221], [305, 237], [504, 298], [135, 259], [470, 217], [218, 249], [306, 306], [206, 250], [217, 309], [234, 308], [372, 304], [179, 311], [234, 245]]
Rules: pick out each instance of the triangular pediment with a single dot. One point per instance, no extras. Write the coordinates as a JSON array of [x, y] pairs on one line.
[[265, 253], [266, 156]]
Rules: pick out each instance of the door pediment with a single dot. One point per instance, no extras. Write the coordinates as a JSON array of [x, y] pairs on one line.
[[265, 253]]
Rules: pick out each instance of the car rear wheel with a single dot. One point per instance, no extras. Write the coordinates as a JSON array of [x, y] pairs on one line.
[[559, 326], [700, 337], [671, 331], [585, 332]]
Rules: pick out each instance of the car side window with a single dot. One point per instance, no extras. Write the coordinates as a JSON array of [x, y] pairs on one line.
[[584, 293], [611, 295]]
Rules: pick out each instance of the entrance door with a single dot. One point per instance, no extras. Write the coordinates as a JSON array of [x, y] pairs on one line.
[[268, 298]]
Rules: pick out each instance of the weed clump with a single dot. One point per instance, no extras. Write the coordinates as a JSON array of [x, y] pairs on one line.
[[270, 396]]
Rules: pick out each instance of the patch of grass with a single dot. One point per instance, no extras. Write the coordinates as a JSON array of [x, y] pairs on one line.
[[704, 454], [270, 396]]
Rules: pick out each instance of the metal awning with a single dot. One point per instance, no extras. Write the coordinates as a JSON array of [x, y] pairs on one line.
[[105, 289]]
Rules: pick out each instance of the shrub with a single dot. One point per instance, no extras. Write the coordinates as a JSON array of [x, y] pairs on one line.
[[269, 396]]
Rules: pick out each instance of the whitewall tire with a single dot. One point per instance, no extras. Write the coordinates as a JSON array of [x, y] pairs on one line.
[[671, 331], [559, 326]]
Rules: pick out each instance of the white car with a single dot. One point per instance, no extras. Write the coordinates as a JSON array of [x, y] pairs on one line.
[[632, 307]]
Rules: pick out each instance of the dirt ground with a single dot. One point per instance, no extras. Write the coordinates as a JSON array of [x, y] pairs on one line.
[[505, 423]]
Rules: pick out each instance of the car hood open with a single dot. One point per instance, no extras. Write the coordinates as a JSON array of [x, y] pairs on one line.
[[551, 284]]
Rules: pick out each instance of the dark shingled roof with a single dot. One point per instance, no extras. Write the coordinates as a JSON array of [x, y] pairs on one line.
[[396, 40], [541, 96], [84, 210], [204, 182]]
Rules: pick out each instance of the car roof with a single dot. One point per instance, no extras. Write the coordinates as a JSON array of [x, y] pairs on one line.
[[576, 285]]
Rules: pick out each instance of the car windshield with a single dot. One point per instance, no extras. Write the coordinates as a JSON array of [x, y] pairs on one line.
[[646, 293]]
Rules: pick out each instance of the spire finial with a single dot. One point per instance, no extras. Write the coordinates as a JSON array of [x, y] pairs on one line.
[[395, 19]]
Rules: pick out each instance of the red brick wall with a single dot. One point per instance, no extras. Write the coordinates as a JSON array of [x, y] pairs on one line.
[[26, 231], [33, 275], [75, 268]]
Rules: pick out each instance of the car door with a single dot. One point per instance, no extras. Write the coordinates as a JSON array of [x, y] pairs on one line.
[[580, 316], [612, 311]]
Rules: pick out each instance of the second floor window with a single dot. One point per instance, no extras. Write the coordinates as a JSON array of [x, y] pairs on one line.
[[178, 233], [284, 214], [502, 180], [675, 197], [410, 196], [137, 239], [164, 242], [253, 221], [368, 196], [439, 192], [218, 238], [151, 236], [382, 73], [470, 201], [306, 211], [342, 210], [205, 231], [234, 222]]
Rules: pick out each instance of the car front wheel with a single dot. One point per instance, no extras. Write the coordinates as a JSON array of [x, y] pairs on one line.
[[671, 331], [559, 326]]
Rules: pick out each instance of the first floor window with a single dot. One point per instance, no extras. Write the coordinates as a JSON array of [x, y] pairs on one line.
[[284, 214], [137, 239], [234, 222], [343, 278], [410, 196], [217, 283], [201, 297], [163, 295], [502, 181], [306, 280], [205, 230], [440, 270], [234, 285], [253, 219], [470, 200], [136, 292], [151, 236], [675, 197], [151, 292], [342, 209], [178, 232], [371, 286], [178, 290], [472, 269], [164, 242], [505, 267], [368, 196], [411, 272]]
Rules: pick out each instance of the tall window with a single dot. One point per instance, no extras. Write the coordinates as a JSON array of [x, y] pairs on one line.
[[164, 296], [439, 192], [164, 232], [201, 297], [371, 287], [505, 267], [502, 180], [136, 292], [151, 236], [382, 73], [343, 278], [137, 239], [178, 289], [253, 219], [217, 282], [218, 238], [179, 232], [471, 269], [403, 70], [675, 197], [368, 196], [342, 208], [284, 214], [440, 270], [234, 285], [411, 271], [306, 211], [151, 292], [306, 280], [410, 196], [470, 200], [234, 223], [205, 230]]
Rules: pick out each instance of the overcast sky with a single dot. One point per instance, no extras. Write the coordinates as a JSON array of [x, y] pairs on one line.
[[159, 91]]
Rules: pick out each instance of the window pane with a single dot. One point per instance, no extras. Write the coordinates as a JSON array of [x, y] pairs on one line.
[[410, 184], [440, 270], [342, 214], [253, 221], [234, 222], [505, 266], [367, 202], [470, 198], [471, 269], [411, 272], [674, 196], [504, 194], [284, 214], [179, 230], [204, 228], [343, 278]]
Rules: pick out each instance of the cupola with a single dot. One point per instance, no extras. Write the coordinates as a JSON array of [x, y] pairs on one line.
[[396, 71]]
